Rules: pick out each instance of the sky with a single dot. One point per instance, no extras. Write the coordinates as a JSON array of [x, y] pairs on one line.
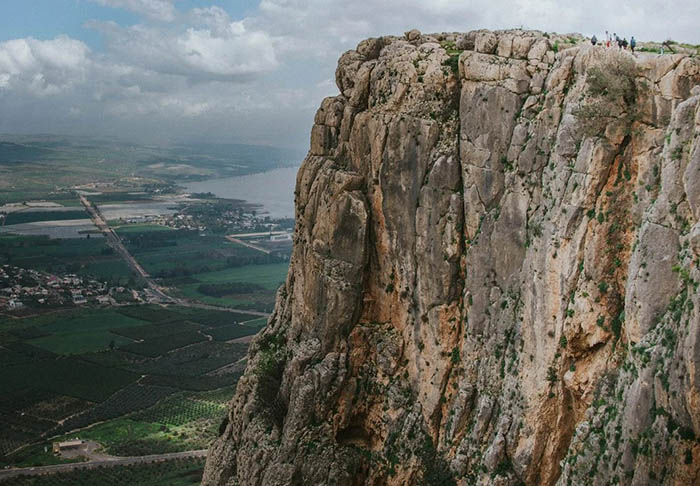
[[242, 71]]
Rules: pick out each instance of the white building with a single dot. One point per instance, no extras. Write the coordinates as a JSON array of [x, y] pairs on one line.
[[14, 304]]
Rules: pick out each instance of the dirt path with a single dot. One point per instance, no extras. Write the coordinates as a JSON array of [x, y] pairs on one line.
[[198, 305], [6, 474], [249, 245]]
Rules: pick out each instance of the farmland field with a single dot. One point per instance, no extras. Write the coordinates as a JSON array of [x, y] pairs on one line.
[[126, 210], [267, 276], [133, 397], [158, 346], [138, 228], [71, 377], [64, 229], [180, 410], [194, 360], [86, 257], [154, 331], [207, 268], [144, 378], [85, 332], [226, 333], [167, 254], [270, 276], [33, 216], [78, 379], [257, 323]]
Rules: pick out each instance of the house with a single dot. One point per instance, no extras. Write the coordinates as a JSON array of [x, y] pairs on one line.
[[103, 299], [79, 299], [281, 237], [58, 447], [14, 304]]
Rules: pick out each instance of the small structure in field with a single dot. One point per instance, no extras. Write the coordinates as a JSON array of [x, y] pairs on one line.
[[67, 445]]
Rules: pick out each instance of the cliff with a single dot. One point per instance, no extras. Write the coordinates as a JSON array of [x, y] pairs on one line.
[[494, 277]]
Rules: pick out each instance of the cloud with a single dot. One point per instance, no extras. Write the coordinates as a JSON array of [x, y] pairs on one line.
[[161, 10], [200, 74], [42, 68], [212, 47], [324, 26]]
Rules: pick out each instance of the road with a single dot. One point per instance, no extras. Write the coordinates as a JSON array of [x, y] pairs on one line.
[[197, 305], [233, 239], [115, 461], [114, 242], [263, 233]]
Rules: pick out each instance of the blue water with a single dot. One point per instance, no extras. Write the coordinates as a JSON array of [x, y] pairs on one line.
[[274, 190]]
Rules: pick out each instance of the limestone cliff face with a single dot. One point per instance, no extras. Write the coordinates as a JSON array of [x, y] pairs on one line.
[[494, 278]]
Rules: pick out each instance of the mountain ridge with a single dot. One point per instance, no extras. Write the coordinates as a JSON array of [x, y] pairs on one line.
[[494, 276]]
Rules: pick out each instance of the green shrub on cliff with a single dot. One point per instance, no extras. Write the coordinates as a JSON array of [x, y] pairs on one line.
[[613, 91], [272, 358]]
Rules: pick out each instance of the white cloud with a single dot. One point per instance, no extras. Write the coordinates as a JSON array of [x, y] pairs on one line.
[[201, 74], [232, 52], [162, 10], [215, 47], [43, 68], [325, 26]]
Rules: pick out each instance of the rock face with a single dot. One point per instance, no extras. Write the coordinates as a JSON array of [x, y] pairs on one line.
[[494, 278]]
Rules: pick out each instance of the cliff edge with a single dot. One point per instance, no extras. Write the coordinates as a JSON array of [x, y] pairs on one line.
[[494, 277]]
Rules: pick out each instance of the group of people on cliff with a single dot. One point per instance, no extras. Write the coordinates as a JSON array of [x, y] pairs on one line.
[[615, 41]]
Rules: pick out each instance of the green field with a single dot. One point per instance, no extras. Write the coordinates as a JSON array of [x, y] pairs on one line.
[[42, 455], [177, 253], [226, 333], [85, 332], [139, 379], [257, 323], [176, 424], [33, 216], [117, 432], [185, 260], [60, 367], [161, 345], [137, 228], [71, 377], [157, 331], [270, 276], [86, 257], [180, 410]]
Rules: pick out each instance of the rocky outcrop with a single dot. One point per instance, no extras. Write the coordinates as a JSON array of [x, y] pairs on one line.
[[494, 278]]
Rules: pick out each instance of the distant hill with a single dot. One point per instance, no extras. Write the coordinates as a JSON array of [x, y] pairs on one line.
[[12, 153], [247, 155]]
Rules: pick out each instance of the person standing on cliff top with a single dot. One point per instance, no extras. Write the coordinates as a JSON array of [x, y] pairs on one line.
[[633, 43], [594, 40]]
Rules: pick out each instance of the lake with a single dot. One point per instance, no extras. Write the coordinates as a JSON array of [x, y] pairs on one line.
[[274, 190]]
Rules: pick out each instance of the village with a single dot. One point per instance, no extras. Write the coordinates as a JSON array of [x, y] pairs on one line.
[[23, 290], [211, 214]]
